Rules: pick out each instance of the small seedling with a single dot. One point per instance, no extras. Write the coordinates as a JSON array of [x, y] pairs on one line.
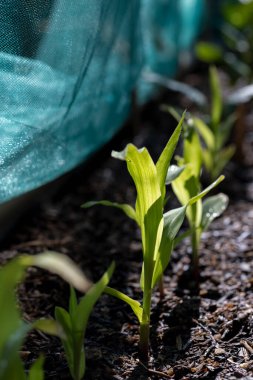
[[215, 134], [215, 131], [187, 185], [74, 323], [233, 52], [158, 228], [13, 328]]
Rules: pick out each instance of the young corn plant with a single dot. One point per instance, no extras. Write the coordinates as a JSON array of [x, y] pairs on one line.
[[74, 323], [13, 328], [158, 228], [216, 132], [188, 185]]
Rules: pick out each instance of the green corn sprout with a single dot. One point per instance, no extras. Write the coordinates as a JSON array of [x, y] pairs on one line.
[[13, 328], [158, 229], [215, 134], [216, 130], [74, 323], [187, 185]]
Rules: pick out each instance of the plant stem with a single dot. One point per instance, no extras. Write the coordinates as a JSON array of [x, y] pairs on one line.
[[144, 341], [145, 325], [195, 253], [161, 288]]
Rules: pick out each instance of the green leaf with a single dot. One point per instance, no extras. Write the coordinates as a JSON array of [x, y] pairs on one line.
[[216, 99], [173, 220], [127, 209], [174, 172], [135, 305], [80, 319], [208, 52], [224, 157], [87, 302], [204, 132], [49, 326], [36, 372], [63, 318], [208, 160], [10, 364], [61, 265], [149, 205], [10, 275], [192, 148], [144, 174], [206, 190], [72, 302], [225, 130], [186, 186], [212, 208], [163, 162], [13, 330], [119, 155], [153, 236], [239, 14]]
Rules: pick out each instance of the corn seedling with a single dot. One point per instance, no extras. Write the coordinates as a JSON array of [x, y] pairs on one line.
[[13, 328], [74, 323], [158, 228], [234, 53], [215, 134], [188, 185]]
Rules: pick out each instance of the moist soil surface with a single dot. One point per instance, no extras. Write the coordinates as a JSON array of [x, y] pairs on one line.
[[198, 331]]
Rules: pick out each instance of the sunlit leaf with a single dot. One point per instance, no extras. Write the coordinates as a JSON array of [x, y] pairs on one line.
[[206, 190], [135, 305], [61, 265], [212, 208], [204, 132], [192, 148], [163, 162], [127, 209], [149, 203], [174, 171], [173, 220]]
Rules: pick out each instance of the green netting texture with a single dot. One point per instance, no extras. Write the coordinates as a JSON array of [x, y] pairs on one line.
[[68, 68]]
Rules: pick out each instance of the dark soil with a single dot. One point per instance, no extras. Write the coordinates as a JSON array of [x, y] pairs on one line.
[[203, 332]]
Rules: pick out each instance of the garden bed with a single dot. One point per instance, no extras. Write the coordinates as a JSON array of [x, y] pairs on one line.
[[203, 332]]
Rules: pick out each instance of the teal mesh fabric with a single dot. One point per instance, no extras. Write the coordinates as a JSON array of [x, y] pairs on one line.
[[68, 68]]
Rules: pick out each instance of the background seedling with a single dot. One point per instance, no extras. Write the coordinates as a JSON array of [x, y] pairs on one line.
[[215, 131], [187, 185], [74, 323], [233, 52], [13, 328], [158, 228]]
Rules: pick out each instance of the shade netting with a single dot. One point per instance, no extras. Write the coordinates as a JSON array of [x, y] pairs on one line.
[[67, 70]]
